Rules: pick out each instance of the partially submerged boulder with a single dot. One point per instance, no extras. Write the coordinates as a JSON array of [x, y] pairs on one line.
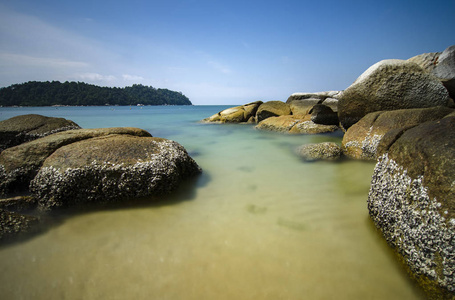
[[24, 128], [272, 109], [390, 85], [279, 124], [321, 151], [13, 224], [412, 202], [19, 164], [361, 141], [238, 114], [111, 168], [295, 125]]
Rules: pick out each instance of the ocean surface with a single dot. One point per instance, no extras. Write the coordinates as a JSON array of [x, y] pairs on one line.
[[259, 223]]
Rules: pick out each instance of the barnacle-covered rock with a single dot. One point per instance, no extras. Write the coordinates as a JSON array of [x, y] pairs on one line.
[[24, 128], [412, 202], [19, 164], [320, 151], [111, 168], [362, 140]]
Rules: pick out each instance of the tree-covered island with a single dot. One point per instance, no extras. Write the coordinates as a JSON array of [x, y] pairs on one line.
[[35, 93]]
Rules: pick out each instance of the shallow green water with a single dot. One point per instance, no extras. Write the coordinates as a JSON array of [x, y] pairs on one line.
[[257, 224]]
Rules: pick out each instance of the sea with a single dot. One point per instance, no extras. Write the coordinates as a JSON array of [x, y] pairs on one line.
[[258, 223]]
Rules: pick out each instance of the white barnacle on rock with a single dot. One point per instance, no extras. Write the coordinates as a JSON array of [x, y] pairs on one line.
[[410, 221]]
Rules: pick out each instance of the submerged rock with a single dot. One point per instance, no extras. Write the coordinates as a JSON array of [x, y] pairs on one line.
[[24, 128], [13, 224], [111, 168], [412, 202], [390, 85], [19, 164], [321, 151]]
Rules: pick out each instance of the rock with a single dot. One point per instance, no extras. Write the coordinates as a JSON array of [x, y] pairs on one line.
[[426, 61], [412, 202], [321, 151], [390, 85], [21, 129], [309, 127], [279, 124], [319, 95], [13, 224], [272, 109], [322, 114], [238, 114], [301, 108], [332, 103], [361, 141], [19, 164], [445, 69], [111, 168], [18, 203]]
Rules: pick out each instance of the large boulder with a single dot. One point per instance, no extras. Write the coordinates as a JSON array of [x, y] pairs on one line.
[[24, 128], [321, 151], [19, 164], [272, 109], [238, 114], [445, 69], [412, 202], [111, 168], [361, 141], [279, 124], [390, 85]]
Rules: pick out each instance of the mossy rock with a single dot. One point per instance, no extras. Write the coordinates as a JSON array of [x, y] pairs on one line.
[[24, 128]]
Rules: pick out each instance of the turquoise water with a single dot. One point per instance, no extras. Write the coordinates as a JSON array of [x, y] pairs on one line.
[[259, 223]]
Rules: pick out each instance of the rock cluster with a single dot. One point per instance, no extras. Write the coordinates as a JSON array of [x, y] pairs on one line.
[[78, 167], [400, 113]]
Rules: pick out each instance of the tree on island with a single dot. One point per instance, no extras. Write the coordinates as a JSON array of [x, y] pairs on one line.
[[35, 93]]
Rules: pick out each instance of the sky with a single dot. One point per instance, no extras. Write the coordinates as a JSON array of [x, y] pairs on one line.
[[216, 52]]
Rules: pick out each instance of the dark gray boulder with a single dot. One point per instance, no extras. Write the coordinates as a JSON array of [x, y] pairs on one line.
[[322, 114]]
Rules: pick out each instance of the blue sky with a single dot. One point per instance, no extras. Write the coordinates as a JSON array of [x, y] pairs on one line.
[[215, 52]]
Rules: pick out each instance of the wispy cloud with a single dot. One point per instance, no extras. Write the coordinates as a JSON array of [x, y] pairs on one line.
[[96, 77], [135, 78], [220, 67], [12, 59]]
